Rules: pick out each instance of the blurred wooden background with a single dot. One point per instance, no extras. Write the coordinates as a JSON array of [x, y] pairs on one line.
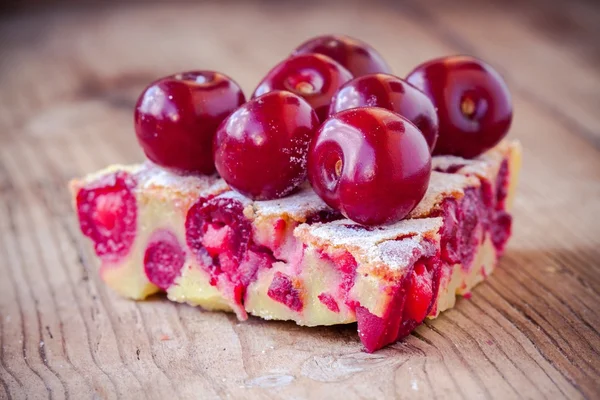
[[69, 75]]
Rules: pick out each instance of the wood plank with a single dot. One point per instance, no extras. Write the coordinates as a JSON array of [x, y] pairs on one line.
[[65, 110]]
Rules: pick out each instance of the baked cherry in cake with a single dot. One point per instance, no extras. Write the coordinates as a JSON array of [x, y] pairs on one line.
[[394, 94], [355, 55], [359, 155], [260, 149], [107, 214], [163, 259], [472, 100], [176, 118], [314, 77]]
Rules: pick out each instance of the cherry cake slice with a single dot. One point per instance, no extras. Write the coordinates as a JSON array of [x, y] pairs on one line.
[[295, 258]]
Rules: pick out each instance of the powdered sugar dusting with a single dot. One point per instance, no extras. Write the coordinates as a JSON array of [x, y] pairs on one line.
[[399, 254], [444, 163], [233, 195], [396, 246], [151, 176], [132, 169], [484, 166], [487, 164], [441, 186], [345, 233], [297, 206]]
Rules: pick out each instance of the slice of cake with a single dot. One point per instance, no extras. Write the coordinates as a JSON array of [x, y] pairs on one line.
[[295, 258]]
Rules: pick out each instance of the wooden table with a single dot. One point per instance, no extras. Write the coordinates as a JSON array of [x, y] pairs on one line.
[[68, 81]]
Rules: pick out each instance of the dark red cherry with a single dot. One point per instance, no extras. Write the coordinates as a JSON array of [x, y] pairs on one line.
[[176, 118], [369, 163], [358, 57], [473, 102], [260, 149], [393, 93], [313, 77]]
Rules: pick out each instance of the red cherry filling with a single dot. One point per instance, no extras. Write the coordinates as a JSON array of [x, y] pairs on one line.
[[176, 118], [449, 237], [473, 103], [346, 264], [329, 302], [502, 185], [459, 233], [357, 155], [107, 212], [420, 294], [411, 301], [260, 150], [501, 230], [470, 214], [464, 225], [376, 332], [283, 291], [163, 259], [218, 235], [479, 207], [313, 77], [394, 94], [502, 221], [357, 56]]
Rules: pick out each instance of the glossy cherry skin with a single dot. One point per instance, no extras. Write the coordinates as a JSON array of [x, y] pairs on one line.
[[355, 55], [313, 77], [260, 149], [176, 118], [369, 163], [473, 102], [394, 94]]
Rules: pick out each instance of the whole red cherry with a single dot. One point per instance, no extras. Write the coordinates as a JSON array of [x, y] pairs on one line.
[[394, 94], [369, 163], [313, 77], [260, 149], [176, 118], [473, 102], [357, 56]]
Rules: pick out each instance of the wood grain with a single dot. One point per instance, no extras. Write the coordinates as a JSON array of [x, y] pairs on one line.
[[69, 77]]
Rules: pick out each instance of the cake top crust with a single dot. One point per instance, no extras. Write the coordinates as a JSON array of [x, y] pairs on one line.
[[396, 246]]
